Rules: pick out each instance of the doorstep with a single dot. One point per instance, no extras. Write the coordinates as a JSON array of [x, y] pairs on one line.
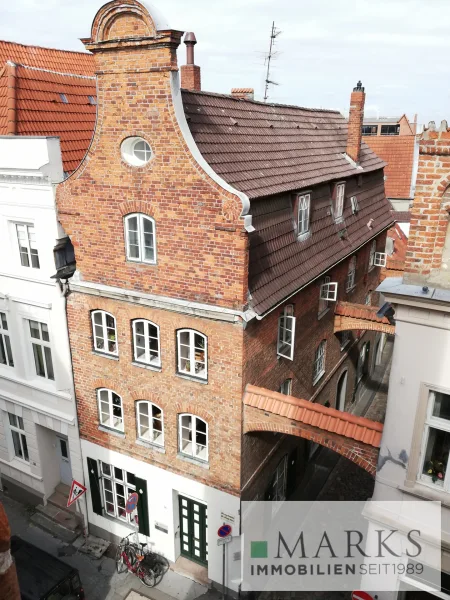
[[192, 570]]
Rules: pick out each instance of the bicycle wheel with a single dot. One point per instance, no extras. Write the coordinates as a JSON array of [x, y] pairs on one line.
[[146, 575], [120, 563]]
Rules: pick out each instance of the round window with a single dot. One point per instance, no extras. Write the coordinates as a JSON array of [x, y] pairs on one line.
[[136, 151]]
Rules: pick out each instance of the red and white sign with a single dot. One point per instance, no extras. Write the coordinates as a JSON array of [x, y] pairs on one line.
[[131, 502], [361, 596], [224, 531], [76, 491]]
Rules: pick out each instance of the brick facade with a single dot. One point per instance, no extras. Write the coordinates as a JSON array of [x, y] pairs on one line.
[[355, 121]]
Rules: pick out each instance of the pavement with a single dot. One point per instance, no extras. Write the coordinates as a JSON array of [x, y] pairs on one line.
[[99, 577]]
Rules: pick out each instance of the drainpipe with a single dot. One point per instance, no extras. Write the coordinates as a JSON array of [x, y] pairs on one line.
[[11, 109]]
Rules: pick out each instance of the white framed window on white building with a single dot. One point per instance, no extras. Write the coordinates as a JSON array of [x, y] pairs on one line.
[[6, 356], [104, 332], [26, 239], [193, 439], [319, 362], [373, 249], [192, 353], [339, 197], [140, 238], [351, 275], [110, 409], [117, 485], [286, 333], [42, 352], [286, 387], [304, 211], [146, 343], [150, 422], [19, 439], [436, 442]]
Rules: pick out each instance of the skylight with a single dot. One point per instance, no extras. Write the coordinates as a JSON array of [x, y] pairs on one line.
[[64, 98]]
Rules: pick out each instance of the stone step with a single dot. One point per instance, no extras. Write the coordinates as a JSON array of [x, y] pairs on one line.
[[60, 501], [64, 489], [60, 523]]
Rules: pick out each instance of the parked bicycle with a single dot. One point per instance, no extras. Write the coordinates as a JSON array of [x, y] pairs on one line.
[[149, 566]]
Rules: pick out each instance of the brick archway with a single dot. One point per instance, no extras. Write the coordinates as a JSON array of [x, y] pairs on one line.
[[356, 438], [350, 316]]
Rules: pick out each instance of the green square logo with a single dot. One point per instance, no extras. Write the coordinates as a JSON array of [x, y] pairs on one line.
[[258, 550]]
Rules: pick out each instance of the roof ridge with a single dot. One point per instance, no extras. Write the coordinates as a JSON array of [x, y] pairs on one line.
[[260, 102], [91, 77], [46, 48]]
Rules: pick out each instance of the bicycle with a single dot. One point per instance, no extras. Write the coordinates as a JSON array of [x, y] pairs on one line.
[[129, 559], [129, 552]]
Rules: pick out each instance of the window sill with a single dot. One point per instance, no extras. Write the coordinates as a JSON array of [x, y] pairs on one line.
[[323, 313], [150, 446], [105, 355], [144, 263], [318, 378], [115, 432], [135, 363], [302, 237], [193, 461], [118, 521], [192, 378]]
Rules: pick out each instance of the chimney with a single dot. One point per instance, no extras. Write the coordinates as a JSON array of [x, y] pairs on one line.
[[190, 72], [355, 122], [243, 93]]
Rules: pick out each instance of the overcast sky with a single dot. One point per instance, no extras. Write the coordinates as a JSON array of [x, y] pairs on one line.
[[398, 48]]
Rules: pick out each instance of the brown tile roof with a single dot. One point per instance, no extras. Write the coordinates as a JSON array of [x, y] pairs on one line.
[[316, 415], [40, 109], [401, 216], [80, 63], [264, 149], [398, 153]]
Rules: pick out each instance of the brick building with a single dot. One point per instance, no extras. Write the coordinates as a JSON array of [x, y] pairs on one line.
[[213, 236]]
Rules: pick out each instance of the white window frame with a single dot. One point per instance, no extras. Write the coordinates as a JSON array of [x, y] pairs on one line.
[[5, 341], [373, 249], [159, 440], [45, 349], [339, 200], [141, 217], [286, 326], [286, 387], [28, 240], [433, 422], [149, 358], [191, 359], [328, 290], [19, 429], [319, 361], [355, 205], [194, 453], [105, 329], [380, 259], [111, 422], [115, 480], [303, 213], [351, 275]]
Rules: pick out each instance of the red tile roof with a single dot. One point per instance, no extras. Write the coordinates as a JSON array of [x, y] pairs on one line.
[[359, 311], [40, 109], [316, 415], [264, 149], [80, 63]]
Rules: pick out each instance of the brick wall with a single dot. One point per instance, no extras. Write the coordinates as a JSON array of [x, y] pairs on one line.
[[355, 121]]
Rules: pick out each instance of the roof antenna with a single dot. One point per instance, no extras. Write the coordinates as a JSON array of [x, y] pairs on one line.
[[272, 55]]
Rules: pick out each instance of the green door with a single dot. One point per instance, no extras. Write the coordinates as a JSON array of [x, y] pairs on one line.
[[193, 530]]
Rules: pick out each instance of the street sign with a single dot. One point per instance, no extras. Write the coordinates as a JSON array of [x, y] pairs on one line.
[[131, 502], [222, 541], [76, 491], [361, 596], [224, 531]]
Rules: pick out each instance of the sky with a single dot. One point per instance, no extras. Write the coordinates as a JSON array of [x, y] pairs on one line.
[[398, 48]]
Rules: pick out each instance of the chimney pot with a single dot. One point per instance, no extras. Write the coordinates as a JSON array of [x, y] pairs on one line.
[[355, 122], [190, 72]]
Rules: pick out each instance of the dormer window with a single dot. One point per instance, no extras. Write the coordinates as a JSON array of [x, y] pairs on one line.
[[339, 196], [304, 206]]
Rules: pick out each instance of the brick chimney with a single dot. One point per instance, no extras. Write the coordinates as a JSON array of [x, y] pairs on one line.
[[190, 72], [355, 122], [243, 93]]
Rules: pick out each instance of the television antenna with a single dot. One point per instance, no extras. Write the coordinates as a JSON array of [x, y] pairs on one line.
[[275, 32]]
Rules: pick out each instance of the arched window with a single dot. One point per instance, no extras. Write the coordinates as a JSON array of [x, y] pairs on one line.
[[146, 343], [351, 276], [150, 422], [319, 361], [140, 238], [110, 409], [104, 332], [304, 203], [192, 353], [193, 433]]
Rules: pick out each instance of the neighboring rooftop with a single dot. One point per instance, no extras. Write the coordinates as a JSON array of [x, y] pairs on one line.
[[383, 120], [79, 63]]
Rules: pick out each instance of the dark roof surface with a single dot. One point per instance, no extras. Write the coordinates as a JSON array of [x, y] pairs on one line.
[[263, 149], [401, 216]]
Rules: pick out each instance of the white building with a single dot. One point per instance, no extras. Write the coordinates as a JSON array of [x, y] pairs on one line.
[[39, 444]]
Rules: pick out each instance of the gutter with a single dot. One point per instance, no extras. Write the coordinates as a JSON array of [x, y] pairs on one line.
[[11, 110]]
